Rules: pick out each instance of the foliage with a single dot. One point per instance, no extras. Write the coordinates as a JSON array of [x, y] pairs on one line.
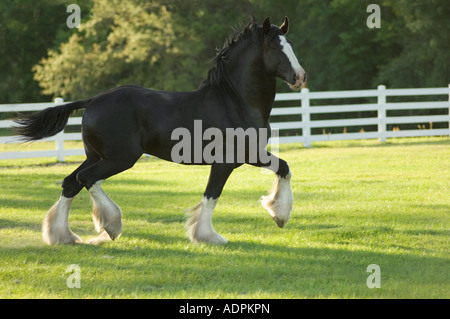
[[122, 41], [135, 42], [25, 34], [167, 44], [424, 59]]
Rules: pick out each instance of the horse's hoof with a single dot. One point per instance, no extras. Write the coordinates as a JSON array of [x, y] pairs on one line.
[[219, 240], [279, 222], [114, 231], [101, 239], [66, 237], [212, 238]]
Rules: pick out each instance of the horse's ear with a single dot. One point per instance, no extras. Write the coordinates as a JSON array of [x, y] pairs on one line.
[[266, 26], [285, 26]]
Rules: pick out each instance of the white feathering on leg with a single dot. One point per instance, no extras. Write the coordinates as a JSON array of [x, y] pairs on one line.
[[199, 225], [280, 200], [106, 213], [55, 229]]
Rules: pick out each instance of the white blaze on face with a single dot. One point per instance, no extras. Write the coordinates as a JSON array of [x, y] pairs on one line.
[[287, 49]]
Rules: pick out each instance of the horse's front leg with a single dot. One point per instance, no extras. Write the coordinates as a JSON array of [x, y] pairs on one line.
[[199, 225], [280, 200]]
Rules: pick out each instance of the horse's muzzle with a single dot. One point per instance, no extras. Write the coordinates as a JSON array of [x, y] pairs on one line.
[[298, 80]]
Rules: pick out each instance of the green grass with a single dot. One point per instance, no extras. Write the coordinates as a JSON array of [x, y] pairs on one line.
[[355, 204]]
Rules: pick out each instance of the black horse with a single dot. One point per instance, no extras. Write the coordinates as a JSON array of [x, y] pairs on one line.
[[121, 124]]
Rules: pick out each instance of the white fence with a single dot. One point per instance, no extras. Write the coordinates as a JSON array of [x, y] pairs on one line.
[[59, 152], [381, 120], [302, 113]]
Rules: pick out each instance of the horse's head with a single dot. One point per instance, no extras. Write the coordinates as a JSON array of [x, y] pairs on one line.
[[279, 57]]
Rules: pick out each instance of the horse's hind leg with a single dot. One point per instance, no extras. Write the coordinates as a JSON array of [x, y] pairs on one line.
[[106, 214], [199, 225], [55, 229]]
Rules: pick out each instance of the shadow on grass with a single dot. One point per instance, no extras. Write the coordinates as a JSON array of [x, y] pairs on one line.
[[392, 142], [45, 164], [369, 143], [239, 269], [8, 223]]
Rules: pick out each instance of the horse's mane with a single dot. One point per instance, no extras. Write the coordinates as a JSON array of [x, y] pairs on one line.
[[217, 75]]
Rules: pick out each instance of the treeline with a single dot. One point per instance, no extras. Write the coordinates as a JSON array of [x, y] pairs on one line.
[[167, 44]]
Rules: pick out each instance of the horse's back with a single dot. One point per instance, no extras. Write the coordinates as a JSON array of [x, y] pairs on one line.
[[135, 115]]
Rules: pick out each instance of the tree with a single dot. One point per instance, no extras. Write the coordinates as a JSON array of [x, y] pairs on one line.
[[424, 35], [166, 44], [139, 42], [26, 31], [120, 43]]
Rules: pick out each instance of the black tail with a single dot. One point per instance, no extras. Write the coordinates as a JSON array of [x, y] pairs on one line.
[[47, 122]]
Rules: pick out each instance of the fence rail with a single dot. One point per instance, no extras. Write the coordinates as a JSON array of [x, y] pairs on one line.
[[303, 114], [381, 120]]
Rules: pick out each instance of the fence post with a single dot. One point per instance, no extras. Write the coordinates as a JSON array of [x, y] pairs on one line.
[[382, 113], [449, 110], [59, 142], [306, 118]]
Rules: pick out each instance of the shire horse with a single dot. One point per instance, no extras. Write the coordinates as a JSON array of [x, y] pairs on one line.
[[122, 124]]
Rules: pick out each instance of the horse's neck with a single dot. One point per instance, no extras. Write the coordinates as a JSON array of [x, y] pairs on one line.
[[255, 87]]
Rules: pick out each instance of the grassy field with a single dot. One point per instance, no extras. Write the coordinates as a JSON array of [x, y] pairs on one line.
[[355, 204]]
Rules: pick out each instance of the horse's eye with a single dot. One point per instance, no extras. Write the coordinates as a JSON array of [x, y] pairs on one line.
[[273, 46]]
